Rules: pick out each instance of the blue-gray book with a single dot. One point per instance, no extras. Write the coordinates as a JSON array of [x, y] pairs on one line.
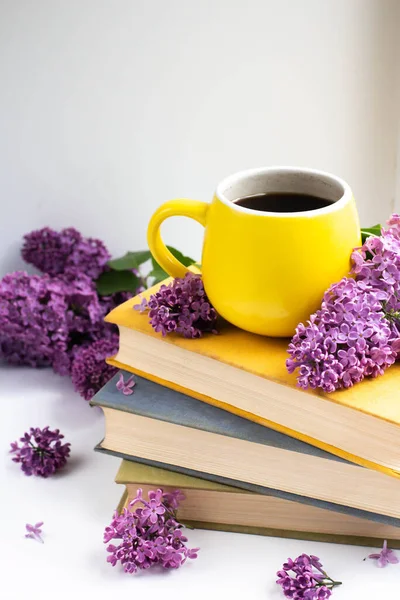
[[161, 427]]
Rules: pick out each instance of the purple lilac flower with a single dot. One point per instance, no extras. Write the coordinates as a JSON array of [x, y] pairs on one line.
[[348, 338], [154, 508], [125, 386], [108, 303], [142, 307], [32, 319], [48, 320], [304, 578], [41, 452], [34, 532], [356, 332], [44, 320], [148, 534], [377, 263], [84, 319], [385, 556], [89, 371], [67, 251], [181, 307]]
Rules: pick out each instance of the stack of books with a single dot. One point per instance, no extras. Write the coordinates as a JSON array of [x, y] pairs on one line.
[[222, 420]]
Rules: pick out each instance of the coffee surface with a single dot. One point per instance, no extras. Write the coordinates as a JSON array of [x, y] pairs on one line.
[[282, 202]]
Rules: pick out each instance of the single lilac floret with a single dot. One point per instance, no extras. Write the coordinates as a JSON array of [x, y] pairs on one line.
[[34, 531], [385, 556], [142, 306], [125, 386]]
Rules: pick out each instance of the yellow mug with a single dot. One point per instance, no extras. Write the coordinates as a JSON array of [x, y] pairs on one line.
[[265, 272]]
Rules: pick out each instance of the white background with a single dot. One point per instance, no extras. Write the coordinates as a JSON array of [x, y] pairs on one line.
[[77, 504], [110, 107]]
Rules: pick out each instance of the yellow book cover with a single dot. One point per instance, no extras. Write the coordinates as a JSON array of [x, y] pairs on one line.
[[361, 424]]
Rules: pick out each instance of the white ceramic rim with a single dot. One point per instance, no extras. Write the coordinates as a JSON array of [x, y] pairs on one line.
[[250, 174]]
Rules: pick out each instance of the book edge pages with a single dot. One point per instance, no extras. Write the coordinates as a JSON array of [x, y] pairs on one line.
[[279, 533]]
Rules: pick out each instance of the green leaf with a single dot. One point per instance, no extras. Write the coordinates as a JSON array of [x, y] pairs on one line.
[[185, 260], [130, 260], [158, 273], [366, 232], [117, 281]]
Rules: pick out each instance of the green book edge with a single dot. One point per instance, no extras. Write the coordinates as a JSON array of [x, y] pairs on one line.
[[129, 472], [280, 533], [147, 474]]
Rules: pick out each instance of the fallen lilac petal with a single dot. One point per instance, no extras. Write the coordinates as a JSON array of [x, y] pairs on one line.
[[125, 386], [385, 556], [120, 383], [127, 392], [392, 558], [34, 531], [142, 307]]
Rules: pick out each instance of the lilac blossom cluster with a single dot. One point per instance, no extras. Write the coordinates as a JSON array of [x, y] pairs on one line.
[[148, 534], [44, 320], [356, 332], [304, 579], [181, 307], [66, 251], [41, 452], [89, 371], [48, 319]]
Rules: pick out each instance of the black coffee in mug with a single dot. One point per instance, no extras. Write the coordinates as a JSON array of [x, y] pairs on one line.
[[282, 202]]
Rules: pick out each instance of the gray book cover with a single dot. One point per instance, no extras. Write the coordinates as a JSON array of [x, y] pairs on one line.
[[154, 401]]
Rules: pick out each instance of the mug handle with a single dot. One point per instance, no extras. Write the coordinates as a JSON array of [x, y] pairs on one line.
[[181, 207]]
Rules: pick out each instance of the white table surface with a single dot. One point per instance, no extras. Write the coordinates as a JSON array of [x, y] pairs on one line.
[[77, 504]]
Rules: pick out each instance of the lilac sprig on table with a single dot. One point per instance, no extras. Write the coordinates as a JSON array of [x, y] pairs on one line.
[[41, 452], [304, 578], [181, 307], [148, 534], [356, 332]]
